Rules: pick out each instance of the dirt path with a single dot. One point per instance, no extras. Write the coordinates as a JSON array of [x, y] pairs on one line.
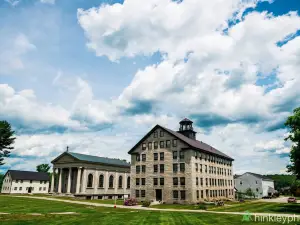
[[151, 209]]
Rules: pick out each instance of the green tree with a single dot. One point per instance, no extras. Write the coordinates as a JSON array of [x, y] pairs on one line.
[[43, 168], [1, 181], [249, 193], [6, 140], [293, 124]]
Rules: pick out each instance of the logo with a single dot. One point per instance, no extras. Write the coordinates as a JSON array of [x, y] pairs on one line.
[[247, 216]]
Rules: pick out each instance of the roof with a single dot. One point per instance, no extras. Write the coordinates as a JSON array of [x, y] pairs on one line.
[[96, 159], [199, 145], [186, 120], [236, 176], [263, 177], [28, 175]]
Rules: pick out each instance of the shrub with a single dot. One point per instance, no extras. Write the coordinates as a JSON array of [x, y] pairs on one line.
[[146, 203], [130, 202], [202, 206]]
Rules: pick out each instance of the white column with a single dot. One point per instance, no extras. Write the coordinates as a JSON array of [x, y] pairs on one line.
[[59, 180], [83, 183], [69, 181], [52, 181], [96, 181], [78, 181]]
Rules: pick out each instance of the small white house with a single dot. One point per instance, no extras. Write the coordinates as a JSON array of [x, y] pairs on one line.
[[23, 182], [260, 185]]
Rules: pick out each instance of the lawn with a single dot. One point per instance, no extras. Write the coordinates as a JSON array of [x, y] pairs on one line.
[[258, 206], [20, 207]]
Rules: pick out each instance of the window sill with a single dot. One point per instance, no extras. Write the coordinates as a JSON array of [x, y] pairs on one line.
[[111, 188], [100, 188]]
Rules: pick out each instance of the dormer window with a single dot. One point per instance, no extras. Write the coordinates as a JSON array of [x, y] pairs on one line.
[[155, 134]]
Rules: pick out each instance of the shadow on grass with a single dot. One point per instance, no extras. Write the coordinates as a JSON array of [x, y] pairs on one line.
[[287, 208]]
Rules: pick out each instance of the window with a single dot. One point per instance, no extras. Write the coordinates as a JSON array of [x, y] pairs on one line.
[[138, 169], [162, 181], [196, 165], [175, 168], [128, 182], [196, 155], [20, 188], [197, 181], [111, 181], [155, 134], [161, 133], [182, 181], [206, 181], [101, 181], [175, 194], [41, 182], [161, 168], [256, 182], [205, 168], [143, 168], [200, 168], [137, 193], [241, 183], [137, 181], [143, 193], [201, 193], [143, 157], [256, 189], [182, 195], [120, 182], [144, 146], [155, 181], [15, 188], [90, 180], [155, 156], [201, 181], [182, 167], [174, 142], [175, 154], [168, 143], [155, 168], [161, 156], [143, 181], [40, 188], [44, 181], [175, 181], [138, 158], [17, 181], [197, 193], [161, 144], [150, 146], [155, 145], [22, 181], [181, 155]]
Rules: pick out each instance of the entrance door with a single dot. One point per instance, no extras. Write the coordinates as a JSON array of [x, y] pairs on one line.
[[158, 194], [29, 190]]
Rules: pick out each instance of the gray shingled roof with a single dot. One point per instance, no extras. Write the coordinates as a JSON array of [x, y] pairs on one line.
[[97, 159], [260, 176], [191, 142], [28, 175]]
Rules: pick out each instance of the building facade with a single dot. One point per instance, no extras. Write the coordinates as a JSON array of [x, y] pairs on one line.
[[90, 177], [24, 182], [174, 167], [260, 185]]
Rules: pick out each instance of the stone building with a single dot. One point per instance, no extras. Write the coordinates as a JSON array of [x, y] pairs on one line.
[[174, 167], [90, 177]]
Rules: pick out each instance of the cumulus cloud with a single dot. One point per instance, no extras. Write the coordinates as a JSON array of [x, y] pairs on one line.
[[12, 51]]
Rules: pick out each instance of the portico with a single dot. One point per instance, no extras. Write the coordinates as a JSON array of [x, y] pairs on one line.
[[88, 176]]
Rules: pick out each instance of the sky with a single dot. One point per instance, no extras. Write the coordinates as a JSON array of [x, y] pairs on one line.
[[98, 75]]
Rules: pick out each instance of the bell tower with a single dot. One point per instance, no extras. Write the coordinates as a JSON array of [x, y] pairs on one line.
[[186, 128]]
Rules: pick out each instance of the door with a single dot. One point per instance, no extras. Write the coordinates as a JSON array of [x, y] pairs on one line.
[[158, 194], [29, 190]]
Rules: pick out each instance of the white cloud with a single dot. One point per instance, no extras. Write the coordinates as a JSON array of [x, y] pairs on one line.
[[12, 53], [13, 2], [52, 2]]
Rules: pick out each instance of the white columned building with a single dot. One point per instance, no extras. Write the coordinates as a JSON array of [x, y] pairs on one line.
[[90, 177]]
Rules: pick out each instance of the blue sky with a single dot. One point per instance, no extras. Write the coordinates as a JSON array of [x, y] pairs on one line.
[[97, 75]]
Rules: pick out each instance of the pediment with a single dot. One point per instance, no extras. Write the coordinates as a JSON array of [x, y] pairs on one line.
[[65, 158]]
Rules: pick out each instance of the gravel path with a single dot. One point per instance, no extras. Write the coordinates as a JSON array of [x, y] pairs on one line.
[[151, 209]]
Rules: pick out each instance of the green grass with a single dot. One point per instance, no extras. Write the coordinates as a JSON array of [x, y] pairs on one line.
[[258, 206], [20, 207]]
